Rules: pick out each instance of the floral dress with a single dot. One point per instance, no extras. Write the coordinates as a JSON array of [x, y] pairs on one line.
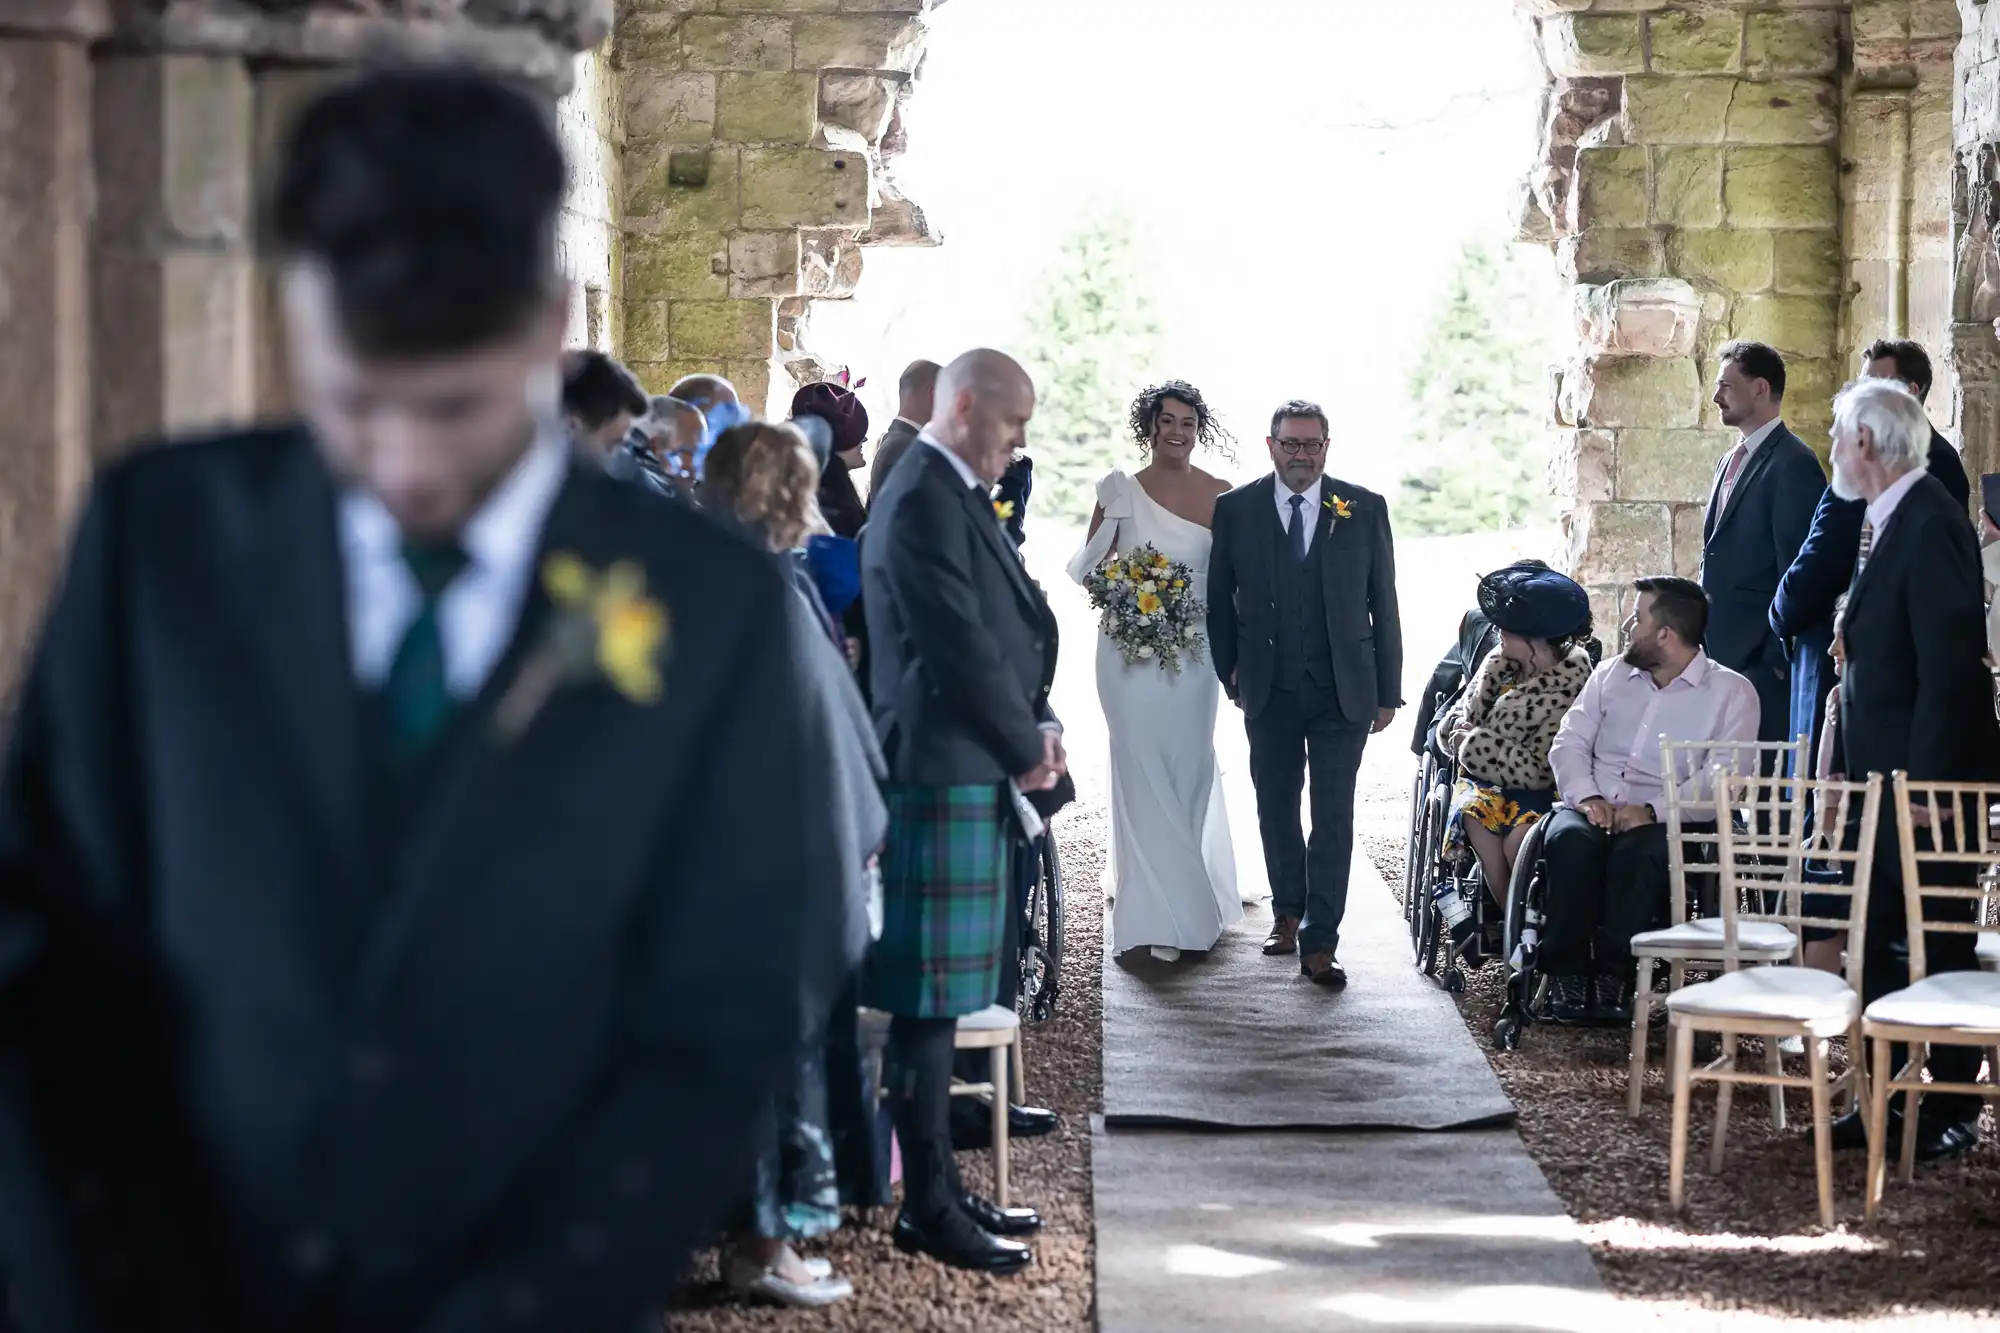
[[1500, 730]]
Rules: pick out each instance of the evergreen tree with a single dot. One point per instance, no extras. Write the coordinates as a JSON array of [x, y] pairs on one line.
[[1092, 338], [1478, 441]]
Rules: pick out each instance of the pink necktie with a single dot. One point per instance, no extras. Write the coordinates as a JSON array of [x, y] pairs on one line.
[[1734, 466]]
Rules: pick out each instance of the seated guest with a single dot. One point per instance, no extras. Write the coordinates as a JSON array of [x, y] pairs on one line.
[[1802, 611], [916, 395], [760, 479], [600, 401], [1500, 730], [1606, 848]]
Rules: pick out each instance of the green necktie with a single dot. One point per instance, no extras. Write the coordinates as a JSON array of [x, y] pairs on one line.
[[416, 699]]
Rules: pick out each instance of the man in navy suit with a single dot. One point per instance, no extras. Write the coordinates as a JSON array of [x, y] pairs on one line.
[[1802, 611], [1758, 514]]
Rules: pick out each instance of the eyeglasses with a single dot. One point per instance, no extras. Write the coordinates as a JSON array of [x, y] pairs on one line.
[[1292, 446]]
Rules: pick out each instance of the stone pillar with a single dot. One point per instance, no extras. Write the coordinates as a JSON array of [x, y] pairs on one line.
[[755, 140], [1690, 181], [44, 292], [1975, 219]]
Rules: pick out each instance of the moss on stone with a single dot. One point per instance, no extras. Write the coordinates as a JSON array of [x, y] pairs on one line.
[[1806, 262], [719, 42], [1794, 42], [1637, 391], [1736, 261], [1672, 465], [1687, 187], [803, 187], [1696, 41], [674, 266], [1596, 44], [1605, 254], [1785, 111], [764, 107], [1677, 111], [723, 329], [653, 203], [1781, 187], [1611, 188], [1795, 325]]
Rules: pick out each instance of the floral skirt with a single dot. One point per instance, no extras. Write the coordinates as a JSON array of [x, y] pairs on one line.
[[1498, 810]]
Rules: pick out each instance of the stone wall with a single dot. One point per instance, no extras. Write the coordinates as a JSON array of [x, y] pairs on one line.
[[757, 133], [1710, 171], [1975, 198], [591, 241]]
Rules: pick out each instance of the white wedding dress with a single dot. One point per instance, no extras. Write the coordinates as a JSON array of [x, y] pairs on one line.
[[1172, 870]]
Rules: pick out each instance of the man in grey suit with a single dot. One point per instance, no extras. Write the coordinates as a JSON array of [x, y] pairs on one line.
[[917, 395], [1304, 632]]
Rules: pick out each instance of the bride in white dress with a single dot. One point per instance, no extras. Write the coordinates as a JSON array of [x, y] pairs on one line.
[[1172, 870]]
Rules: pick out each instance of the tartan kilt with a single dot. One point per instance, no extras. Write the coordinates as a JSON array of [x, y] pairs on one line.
[[944, 902]]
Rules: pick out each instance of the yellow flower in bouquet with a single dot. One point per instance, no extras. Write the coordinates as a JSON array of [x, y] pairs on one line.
[[1149, 604], [1147, 607]]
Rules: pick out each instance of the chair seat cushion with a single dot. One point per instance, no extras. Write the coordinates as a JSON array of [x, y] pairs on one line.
[[1796, 994], [1703, 939], [1964, 1000], [1989, 950], [993, 1018]]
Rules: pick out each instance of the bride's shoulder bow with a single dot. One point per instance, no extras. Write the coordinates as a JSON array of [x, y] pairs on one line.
[[1114, 495]]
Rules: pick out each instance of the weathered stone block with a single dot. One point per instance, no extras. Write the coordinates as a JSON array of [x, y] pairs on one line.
[[172, 149], [1781, 188], [1616, 543], [803, 187], [883, 41], [1795, 325], [1687, 187], [1736, 261], [1804, 42], [1806, 262], [1580, 466], [1696, 42], [764, 107], [764, 264], [1603, 254], [1688, 523], [1660, 110], [1789, 111], [667, 105], [1610, 189], [654, 203], [888, 6], [1674, 465], [1637, 317], [859, 102], [649, 40], [1587, 45], [646, 333], [776, 6], [738, 42], [1810, 385], [676, 266], [1634, 391], [722, 328]]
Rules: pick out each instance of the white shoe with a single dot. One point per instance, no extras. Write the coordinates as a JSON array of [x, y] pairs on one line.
[[1792, 1046], [747, 1279], [1165, 954]]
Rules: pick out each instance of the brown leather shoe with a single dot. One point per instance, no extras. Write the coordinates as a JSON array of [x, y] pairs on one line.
[[1284, 937], [1323, 969]]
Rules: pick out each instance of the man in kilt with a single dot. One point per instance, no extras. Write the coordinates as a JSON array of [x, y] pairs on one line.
[[963, 644]]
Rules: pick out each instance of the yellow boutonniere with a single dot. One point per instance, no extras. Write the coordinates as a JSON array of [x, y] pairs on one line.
[[604, 627], [1340, 507], [1003, 510]]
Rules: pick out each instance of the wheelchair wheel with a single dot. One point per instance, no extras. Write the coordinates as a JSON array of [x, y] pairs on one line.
[[1042, 935], [1525, 891], [1413, 849]]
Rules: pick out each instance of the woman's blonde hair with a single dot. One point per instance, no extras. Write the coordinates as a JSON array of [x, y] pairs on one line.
[[764, 473]]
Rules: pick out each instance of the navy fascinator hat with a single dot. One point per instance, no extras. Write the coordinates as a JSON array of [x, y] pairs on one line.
[[1532, 600]]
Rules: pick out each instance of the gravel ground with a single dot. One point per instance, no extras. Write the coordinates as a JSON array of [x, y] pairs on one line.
[[894, 1293], [1749, 1244]]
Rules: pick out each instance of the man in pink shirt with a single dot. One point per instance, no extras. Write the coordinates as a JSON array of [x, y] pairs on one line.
[[1606, 846]]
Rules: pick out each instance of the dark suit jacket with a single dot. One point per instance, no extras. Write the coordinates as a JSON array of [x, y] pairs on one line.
[[963, 644], [1915, 693], [1358, 567], [896, 442], [283, 1070], [1745, 552], [1802, 609], [1016, 485]]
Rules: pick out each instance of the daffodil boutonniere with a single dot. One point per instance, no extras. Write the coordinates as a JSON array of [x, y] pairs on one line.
[[603, 627], [1004, 510], [1341, 508]]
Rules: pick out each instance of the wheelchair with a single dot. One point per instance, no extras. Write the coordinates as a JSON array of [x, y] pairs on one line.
[[1041, 955]]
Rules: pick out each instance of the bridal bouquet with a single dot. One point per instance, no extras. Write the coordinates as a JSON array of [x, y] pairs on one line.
[[1146, 605]]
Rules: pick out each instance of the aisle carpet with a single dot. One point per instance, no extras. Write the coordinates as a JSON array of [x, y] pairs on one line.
[[1236, 1040]]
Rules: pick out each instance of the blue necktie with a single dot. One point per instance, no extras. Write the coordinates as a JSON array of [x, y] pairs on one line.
[[1298, 527]]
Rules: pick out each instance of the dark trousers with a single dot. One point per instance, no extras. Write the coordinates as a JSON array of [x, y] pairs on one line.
[[919, 1075], [1297, 731], [1022, 864], [1774, 699], [1602, 889]]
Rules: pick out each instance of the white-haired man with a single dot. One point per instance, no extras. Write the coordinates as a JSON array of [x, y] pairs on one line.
[[1914, 691]]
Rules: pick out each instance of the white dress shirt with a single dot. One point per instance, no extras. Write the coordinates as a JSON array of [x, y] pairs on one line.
[[1883, 507], [478, 613], [1609, 743], [1308, 512], [958, 465]]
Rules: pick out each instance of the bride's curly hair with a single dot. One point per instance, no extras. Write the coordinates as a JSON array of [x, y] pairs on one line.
[[1146, 407]]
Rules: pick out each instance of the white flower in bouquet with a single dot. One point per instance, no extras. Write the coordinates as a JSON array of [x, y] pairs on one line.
[[1146, 605]]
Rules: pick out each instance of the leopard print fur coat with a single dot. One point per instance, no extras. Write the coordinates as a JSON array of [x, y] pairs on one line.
[[1502, 727]]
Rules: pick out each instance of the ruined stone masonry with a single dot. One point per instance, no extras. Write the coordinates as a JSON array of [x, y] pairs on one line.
[[1778, 171]]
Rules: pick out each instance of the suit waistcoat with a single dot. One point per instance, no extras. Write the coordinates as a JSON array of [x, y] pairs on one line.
[[1304, 649]]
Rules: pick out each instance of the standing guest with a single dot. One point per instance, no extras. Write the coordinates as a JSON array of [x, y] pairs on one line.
[[963, 661], [1606, 846], [917, 394], [1305, 634], [1011, 497], [292, 852], [760, 480], [600, 401], [643, 457], [1915, 697], [704, 393], [1989, 560], [1802, 611], [1758, 514], [839, 502]]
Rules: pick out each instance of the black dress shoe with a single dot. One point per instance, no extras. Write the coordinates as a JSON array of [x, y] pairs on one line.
[[972, 1126], [1850, 1131], [953, 1239], [1945, 1140], [998, 1221]]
